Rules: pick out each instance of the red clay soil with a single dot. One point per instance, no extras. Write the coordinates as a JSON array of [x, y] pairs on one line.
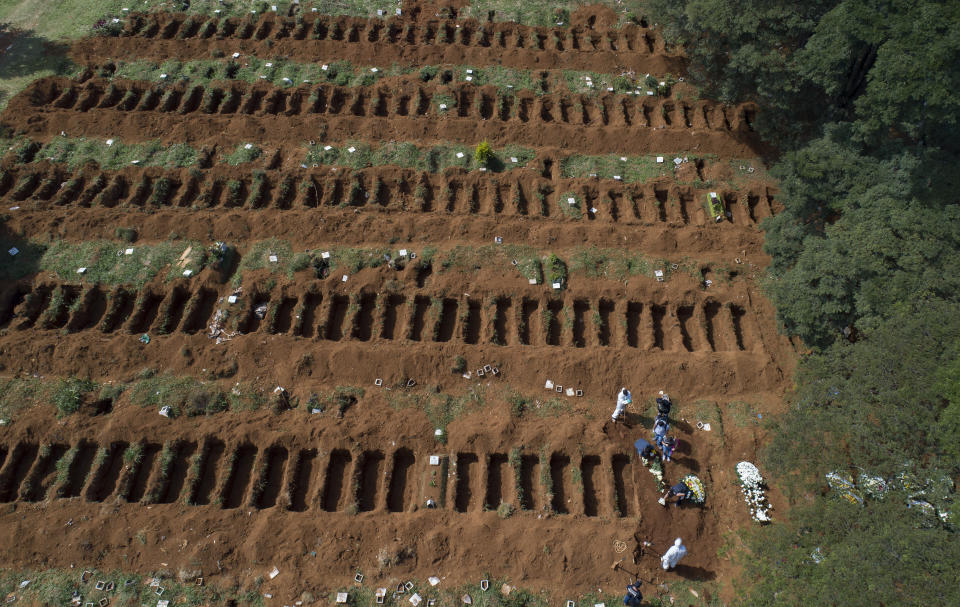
[[271, 115], [392, 41], [280, 489]]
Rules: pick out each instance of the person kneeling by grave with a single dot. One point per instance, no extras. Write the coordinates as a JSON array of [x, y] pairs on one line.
[[678, 493], [644, 449], [633, 596]]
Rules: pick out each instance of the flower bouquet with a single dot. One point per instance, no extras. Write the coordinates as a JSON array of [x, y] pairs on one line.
[[696, 486], [754, 492]]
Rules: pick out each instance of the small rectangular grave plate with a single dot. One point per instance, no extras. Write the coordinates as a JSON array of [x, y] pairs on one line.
[[378, 382], [358, 578], [496, 371], [579, 392], [325, 255], [468, 78], [351, 149], [480, 372], [341, 597], [559, 389], [570, 392], [431, 602], [274, 573], [659, 159], [100, 585], [599, 605], [232, 299], [617, 178], [159, 590], [344, 279], [402, 253], [434, 580], [187, 273], [81, 270], [571, 604], [623, 159], [154, 582], [408, 585], [416, 599], [487, 368], [548, 385], [532, 281], [199, 581], [459, 154], [438, 432], [104, 602], [443, 106], [327, 148], [434, 460], [163, 603], [571, 200], [380, 599], [556, 285], [128, 252], [514, 160], [498, 239], [274, 259]]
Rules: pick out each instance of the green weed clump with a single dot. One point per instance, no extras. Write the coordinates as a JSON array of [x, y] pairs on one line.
[[69, 395]]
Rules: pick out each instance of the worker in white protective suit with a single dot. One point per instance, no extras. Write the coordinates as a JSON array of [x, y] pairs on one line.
[[673, 555], [623, 399]]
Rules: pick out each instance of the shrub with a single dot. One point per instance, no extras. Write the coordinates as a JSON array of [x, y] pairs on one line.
[[69, 395], [484, 153]]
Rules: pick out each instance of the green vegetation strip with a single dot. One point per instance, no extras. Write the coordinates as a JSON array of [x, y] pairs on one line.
[[105, 262], [56, 587], [433, 159], [107, 153], [110, 154], [630, 169], [287, 73]]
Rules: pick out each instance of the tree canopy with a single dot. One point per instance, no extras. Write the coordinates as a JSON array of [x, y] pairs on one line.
[[861, 99]]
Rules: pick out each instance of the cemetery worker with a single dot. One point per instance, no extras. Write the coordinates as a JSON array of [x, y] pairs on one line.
[[633, 596], [673, 555], [663, 403], [678, 493], [660, 428], [644, 448], [623, 399], [667, 447]]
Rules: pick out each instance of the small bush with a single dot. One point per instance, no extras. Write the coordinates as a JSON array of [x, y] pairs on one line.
[[505, 510], [69, 395], [459, 365], [483, 154]]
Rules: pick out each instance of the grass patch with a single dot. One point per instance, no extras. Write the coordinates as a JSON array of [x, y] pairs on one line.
[[547, 13], [17, 394], [69, 395], [441, 409], [75, 152], [56, 587], [630, 169], [618, 264], [107, 262], [184, 394], [571, 205], [243, 153]]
